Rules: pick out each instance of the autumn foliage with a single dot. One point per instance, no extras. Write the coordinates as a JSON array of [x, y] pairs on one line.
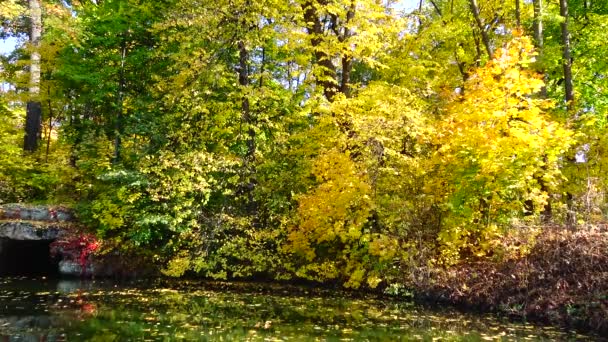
[[337, 141], [78, 248]]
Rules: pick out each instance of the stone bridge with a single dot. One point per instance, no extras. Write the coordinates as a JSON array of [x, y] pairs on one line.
[[26, 232]]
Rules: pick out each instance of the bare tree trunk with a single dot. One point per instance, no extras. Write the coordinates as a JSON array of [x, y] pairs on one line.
[[33, 118], [484, 33], [567, 58]]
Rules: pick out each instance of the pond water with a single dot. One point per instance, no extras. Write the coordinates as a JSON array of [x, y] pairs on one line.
[[40, 309]]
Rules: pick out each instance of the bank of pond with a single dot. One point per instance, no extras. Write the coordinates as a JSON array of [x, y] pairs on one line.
[[40, 308]]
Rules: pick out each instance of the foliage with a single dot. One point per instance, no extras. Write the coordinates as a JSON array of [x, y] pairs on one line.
[[499, 151], [329, 232], [29, 177], [335, 141], [77, 248]]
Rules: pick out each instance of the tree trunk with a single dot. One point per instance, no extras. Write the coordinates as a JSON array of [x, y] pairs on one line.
[[538, 24], [539, 39], [48, 136], [547, 213], [314, 27], [118, 129], [245, 106], [517, 14], [249, 181], [484, 33], [567, 58], [33, 118], [347, 62], [568, 86]]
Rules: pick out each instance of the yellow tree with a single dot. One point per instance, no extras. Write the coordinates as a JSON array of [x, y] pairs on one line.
[[331, 231], [354, 222], [496, 145]]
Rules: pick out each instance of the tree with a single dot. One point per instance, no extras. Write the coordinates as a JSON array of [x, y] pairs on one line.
[[482, 28], [499, 149], [331, 140], [342, 33], [33, 119], [538, 24], [566, 54]]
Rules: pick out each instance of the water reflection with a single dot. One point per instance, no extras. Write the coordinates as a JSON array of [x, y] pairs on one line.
[[59, 310]]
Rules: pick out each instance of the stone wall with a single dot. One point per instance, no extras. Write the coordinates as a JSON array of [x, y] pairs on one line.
[[24, 222], [26, 231], [35, 213], [30, 224], [19, 230]]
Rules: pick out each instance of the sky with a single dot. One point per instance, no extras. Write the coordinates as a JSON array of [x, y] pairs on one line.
[[407, 5], [7, 45]]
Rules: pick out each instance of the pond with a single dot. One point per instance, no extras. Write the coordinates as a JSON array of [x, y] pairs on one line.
[[74, 310]]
